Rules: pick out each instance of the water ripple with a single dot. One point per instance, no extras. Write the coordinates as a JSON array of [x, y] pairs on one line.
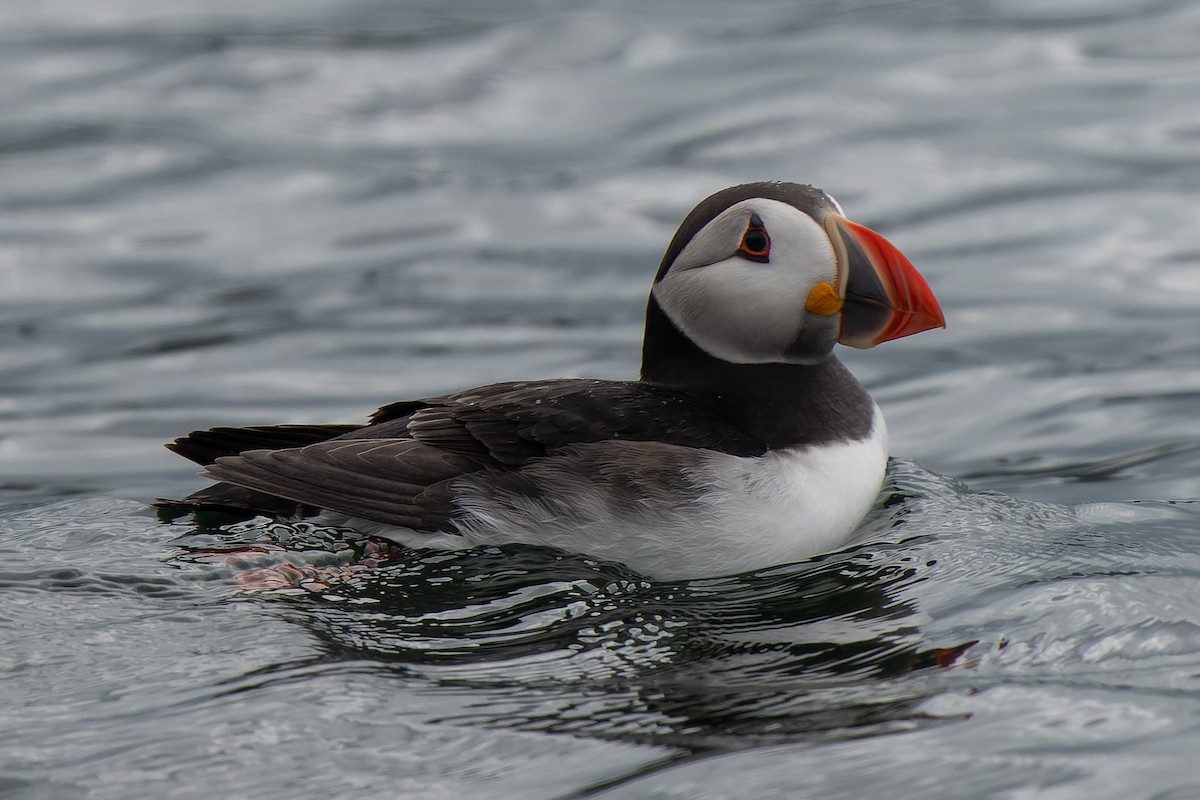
[[225, 213]]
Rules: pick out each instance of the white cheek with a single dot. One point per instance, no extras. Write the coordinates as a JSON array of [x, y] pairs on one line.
[[748, 312], [737, 310]]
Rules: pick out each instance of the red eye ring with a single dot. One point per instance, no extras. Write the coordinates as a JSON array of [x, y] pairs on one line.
[[756, 244]]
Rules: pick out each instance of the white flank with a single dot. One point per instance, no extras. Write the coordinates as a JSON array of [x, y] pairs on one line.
[[737, 513]]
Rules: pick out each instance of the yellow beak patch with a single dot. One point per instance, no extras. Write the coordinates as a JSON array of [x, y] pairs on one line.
[[823, 300]]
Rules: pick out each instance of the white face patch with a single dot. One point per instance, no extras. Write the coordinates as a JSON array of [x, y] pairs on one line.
[[745, 311]]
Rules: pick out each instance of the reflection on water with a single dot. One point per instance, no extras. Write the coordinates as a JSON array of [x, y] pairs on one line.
[[963, 615], [560, 643], [868, 642]]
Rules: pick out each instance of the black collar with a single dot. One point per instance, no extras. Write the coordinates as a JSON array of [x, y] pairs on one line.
[[782, 405]]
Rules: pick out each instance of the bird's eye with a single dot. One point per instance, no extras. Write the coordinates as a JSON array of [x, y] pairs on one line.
[[756, 244]]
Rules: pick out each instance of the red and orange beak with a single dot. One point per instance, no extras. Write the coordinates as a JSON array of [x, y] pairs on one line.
[[884, 297]]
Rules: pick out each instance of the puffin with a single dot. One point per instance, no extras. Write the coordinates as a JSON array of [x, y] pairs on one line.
[[744, 444]]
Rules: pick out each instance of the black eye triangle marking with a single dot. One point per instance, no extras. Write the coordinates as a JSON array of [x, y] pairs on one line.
[[756, 243]]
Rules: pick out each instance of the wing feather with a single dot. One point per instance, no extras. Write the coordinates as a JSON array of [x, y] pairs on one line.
[[396, 481], [205, 447], [401, 468]]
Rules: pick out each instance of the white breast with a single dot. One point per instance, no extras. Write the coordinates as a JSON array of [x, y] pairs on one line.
[[791, 504], [688, 513]]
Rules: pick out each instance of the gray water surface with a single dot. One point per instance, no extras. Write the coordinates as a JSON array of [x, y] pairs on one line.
[[241, 213]]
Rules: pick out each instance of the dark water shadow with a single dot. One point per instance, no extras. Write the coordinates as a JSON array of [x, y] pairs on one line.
[[531, 639]]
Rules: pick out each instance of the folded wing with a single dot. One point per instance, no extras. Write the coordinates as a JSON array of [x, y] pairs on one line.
[[401, 468]]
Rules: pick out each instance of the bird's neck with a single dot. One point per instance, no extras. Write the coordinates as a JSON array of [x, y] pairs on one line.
[[782, 405]]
